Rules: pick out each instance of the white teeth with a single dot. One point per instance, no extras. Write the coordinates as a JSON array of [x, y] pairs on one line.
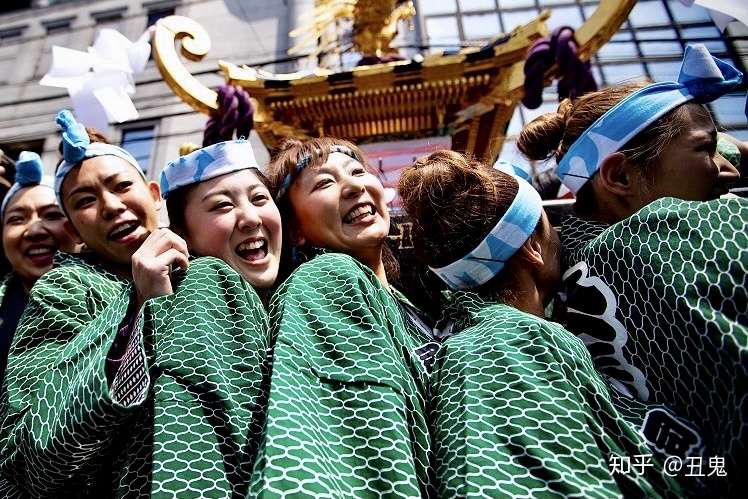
[[123, 229], [361, 210], [39, 251], [251, 245]]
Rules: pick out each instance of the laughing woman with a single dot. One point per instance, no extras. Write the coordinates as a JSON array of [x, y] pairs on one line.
[[33, 230], [656, 264], [127, 380], [518, 408], [226, 211], [346, 414]]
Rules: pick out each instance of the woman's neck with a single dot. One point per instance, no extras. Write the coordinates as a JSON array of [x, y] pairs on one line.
[[528, 296], [376, 264]]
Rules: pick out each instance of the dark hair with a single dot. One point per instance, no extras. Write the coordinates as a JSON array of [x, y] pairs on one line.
[[454, 202], [284, 162], [177, 202], [552, 134]]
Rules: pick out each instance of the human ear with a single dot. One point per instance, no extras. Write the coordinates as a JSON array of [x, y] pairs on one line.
[[532, 252], [155, 191], [615, 175]]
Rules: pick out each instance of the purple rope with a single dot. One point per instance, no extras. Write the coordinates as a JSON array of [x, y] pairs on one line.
[[235, 113], [575, 75]]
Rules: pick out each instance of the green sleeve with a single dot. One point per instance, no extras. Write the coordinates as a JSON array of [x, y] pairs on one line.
[[519, 408], [211, 342], [59, 416], [346, 414]]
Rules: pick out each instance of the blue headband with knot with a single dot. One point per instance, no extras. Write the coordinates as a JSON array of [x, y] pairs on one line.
[[207, 163], [509, 234], [29, 173], [702, 79], [76, 147], [305, 161]]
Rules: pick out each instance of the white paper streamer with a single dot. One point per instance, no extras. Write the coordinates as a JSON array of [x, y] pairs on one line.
[[100, 81]]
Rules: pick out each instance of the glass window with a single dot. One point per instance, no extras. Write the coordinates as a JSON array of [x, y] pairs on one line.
[[618, 49], [139, 143], [472, 5], [618, 73], [664, 71], [442, 31], [683, 13], [11, 5], [673, 49], [517, 18], [730, 110], [480, 26], [430, 7], [656, 34], [156, 14], [565, 16], [699, 33], [648, 14], [509, 4]]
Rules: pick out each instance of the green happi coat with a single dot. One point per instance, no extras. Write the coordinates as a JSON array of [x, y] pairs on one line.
[[347, 405], [183, 414], [661, 300], [519, 411]]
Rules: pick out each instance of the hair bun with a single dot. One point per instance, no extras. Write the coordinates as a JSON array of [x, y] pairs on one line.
[[540, 138]]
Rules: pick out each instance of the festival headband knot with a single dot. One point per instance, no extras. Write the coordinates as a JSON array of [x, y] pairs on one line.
[[702, 79], [305, 160], [488, 259], [207, 163], [29, 173], [76, 147]]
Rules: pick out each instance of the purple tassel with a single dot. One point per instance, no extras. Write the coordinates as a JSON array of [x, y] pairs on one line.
[[235, 114], [575, 75]]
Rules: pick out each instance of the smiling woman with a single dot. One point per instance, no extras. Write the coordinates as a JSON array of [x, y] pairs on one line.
[[105, 358], [32, 232], [219, 201], [348, 388]]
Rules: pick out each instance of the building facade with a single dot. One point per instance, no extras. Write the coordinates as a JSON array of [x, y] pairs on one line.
[[256, 32]]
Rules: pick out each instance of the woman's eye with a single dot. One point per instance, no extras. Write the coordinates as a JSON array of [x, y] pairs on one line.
[[54, 215], [83, 202], [14, 220], [359, 171], [260, 199], [322, 183], [121, 186], [222, 205]]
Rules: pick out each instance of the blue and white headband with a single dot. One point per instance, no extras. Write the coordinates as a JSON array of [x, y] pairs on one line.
[[305, 160], [29, 173], [513, 170], [76, 147], [702, 78], [207, 163], [510, 233]]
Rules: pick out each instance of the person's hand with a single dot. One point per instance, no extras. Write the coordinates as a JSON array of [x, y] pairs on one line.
[[152, 262]]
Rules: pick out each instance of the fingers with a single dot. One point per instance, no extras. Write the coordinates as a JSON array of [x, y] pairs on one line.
[[161, 240]]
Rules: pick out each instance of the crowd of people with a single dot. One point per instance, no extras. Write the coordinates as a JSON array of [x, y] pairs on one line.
[[259, 345]]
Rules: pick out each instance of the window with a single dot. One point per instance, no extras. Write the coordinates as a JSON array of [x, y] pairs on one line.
[[55, 26], [11, 5], [649, 45], [155, 15], [139, 142]]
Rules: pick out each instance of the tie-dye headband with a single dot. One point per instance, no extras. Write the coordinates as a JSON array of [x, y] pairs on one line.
[[702, 78], [207, 163], [76, 146], [510, 233], [29, 173], [305, 160], [513, 170]]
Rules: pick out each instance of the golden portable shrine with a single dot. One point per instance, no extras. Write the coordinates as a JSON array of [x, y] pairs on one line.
[[395, 109], [470, 95]]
